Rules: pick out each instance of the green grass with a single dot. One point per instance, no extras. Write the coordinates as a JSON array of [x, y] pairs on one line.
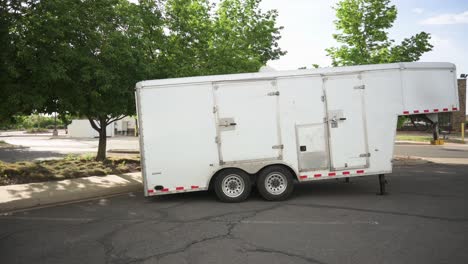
[[418, 138], [35, 130], [70, 167]]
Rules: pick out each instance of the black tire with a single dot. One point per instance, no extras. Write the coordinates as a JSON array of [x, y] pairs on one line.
[[280, 183], [228, 185]]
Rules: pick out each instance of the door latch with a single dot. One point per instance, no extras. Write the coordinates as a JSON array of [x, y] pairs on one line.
[[337, 115], [227, 124], [278, 147]]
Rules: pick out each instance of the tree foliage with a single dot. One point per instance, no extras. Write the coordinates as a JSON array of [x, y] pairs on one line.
[[18, 97], [234, 36], [363, 31], [83, 57]]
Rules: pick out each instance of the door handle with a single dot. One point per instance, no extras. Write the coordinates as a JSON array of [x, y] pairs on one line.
[[343, 119], [228, 124]]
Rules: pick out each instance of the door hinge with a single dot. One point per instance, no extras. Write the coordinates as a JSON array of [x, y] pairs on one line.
[[217, 140], [215, 109], [278, 147], [274, 93], [322, 98], [364, 155], [362, 87]]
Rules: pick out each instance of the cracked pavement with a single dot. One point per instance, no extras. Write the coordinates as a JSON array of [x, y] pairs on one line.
[[423, 220]]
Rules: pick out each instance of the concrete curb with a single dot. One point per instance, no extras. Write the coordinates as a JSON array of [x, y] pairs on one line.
[[415, 160], [124, 151], [23, 196]]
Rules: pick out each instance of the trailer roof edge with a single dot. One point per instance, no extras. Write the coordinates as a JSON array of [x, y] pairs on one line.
[[279, 74]]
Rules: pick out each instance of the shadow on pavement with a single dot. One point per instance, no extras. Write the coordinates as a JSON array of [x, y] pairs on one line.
[[14, 155]]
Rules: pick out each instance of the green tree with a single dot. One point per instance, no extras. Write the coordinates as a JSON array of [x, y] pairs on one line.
[[245, 38], [231, 37], [18, 97], [85, 58], [362, 26]]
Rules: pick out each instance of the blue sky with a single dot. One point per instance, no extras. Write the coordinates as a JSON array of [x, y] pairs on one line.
[[308, 26]]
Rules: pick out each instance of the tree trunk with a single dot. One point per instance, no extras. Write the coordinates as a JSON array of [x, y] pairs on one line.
[[101, 154]]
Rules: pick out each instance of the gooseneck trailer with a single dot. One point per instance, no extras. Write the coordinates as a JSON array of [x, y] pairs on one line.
[[269, 129]]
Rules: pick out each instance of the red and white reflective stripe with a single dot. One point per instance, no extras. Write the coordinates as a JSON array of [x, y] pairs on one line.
[[332, 174], [303, 177], [318, 175], [180, 188], [406, 112], [359, 171], [345, 172]]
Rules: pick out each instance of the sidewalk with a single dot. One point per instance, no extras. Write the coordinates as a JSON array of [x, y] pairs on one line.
[[415, 160], [22, 196]]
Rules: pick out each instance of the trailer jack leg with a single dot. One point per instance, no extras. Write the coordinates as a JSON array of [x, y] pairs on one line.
[[382, 183]]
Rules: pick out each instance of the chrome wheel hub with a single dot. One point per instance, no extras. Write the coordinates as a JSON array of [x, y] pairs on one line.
[[276, 183], [233, 185]]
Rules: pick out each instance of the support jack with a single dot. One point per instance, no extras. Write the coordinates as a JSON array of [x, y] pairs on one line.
[[382, 184]]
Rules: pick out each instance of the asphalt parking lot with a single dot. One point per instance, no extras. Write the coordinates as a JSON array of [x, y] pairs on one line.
[[424, 219]]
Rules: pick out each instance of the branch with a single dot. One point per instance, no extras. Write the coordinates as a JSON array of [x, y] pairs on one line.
[[114, 119], [94, 124]]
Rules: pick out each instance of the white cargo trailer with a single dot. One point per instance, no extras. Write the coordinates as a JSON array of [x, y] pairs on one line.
[[269, 129]]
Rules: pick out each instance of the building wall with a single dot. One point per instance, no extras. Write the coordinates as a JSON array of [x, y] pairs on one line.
[[460, 116]]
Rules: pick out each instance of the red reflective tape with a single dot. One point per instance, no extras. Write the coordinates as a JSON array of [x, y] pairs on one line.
[[303, 177], [436, 110], [331, 174], [406, 112], [345, 172], [360, 171], [165, 190], [416, 111], [194, 187], [179, 188], [426, 111], [317, 175], [150, 191], [454, 109], [445, 109]]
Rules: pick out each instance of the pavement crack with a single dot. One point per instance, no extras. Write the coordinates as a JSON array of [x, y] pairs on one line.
[[292, 255], [178, 250]]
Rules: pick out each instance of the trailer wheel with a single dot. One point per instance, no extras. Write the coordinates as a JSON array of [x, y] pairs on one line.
[[275, 183], [232, 185]]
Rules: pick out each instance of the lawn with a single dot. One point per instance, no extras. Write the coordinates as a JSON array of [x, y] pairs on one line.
[[72, 166], [419, 138]]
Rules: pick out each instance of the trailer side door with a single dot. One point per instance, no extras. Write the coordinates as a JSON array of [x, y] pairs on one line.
[[346, 116], [247, 121]]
